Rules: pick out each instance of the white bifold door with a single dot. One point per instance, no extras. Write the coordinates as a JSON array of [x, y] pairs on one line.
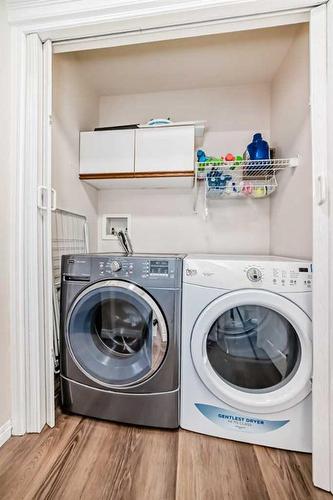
[[34, 376], [321, 23]]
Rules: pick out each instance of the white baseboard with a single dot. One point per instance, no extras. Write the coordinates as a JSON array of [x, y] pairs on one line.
[[5, 432]]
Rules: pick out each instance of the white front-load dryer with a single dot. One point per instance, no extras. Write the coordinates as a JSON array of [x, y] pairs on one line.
[[247, 349]]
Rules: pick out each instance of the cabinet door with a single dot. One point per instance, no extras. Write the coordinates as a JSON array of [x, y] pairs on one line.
[[107, 152], [164, 149]]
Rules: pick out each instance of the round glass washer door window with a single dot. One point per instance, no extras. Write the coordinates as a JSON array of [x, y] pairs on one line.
[[116, 333], [253, 348]]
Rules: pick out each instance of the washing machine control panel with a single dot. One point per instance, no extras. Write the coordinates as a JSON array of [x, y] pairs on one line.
[[148, 271], [115, 266], [145, 269]]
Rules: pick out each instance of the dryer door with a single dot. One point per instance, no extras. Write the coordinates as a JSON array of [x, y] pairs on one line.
[[253, 350], [116, 334]]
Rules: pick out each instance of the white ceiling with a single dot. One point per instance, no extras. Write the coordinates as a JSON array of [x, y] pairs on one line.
[[208, 61]]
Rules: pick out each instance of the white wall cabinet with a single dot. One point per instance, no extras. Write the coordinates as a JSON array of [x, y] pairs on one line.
[[107, 152], [146, 152], [164, 149]]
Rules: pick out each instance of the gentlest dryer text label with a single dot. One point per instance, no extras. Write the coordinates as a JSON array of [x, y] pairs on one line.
[[232, 421]]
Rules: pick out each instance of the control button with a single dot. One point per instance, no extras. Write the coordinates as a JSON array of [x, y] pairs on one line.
[[115, 266], [254, 274]]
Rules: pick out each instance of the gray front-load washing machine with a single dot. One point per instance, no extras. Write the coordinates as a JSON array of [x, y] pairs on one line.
[[119, 337]]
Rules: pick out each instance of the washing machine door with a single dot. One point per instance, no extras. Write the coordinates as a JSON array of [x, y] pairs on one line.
[[253, 350], [116, 334]]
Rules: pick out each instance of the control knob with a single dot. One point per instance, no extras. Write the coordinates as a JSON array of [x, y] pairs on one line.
[[254, 274], [115, 266]]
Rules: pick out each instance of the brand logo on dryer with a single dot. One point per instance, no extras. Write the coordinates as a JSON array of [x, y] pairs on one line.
[[236, 422], [191, 272]]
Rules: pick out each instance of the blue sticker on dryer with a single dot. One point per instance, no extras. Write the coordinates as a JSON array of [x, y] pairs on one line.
[[243, 423]]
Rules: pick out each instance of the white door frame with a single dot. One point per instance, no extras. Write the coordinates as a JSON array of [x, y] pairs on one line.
[[128, 21], [329, 228], [17, 264], [322, 432]]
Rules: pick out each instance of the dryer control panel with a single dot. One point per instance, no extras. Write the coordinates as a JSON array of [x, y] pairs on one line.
[[297, 278], [279, 277], [276, 274]]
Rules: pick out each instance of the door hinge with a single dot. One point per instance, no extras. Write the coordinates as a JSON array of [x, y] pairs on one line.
[[50, 119]]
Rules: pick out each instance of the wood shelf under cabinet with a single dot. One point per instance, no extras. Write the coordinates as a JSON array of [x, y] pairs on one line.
[[137, 175]]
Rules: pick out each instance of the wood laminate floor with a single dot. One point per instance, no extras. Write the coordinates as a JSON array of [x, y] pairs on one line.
[[82, 458]]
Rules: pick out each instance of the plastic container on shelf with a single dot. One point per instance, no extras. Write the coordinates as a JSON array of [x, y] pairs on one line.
[[258, 149]]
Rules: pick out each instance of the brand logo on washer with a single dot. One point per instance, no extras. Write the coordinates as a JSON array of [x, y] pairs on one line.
[[191, 272]]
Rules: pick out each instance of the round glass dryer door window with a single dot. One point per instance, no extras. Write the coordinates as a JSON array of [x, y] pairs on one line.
[[116, 334], [253, 350]]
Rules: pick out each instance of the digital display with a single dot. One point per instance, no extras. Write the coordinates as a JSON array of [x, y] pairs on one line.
[[159, 267], [303, 270]]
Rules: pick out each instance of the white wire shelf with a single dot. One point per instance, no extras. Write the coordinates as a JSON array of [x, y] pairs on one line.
[[246, 168], [240, 178]]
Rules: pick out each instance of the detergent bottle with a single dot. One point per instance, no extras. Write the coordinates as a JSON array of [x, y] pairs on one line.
[[258, 149]]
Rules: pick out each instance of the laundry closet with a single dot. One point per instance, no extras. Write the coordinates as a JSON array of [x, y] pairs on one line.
[[184, 184], [233, 85]]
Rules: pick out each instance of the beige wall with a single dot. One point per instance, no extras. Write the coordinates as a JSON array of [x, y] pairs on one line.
[[163, 219], [291, 206], [5, 224], [232, 113], [75, 108]]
